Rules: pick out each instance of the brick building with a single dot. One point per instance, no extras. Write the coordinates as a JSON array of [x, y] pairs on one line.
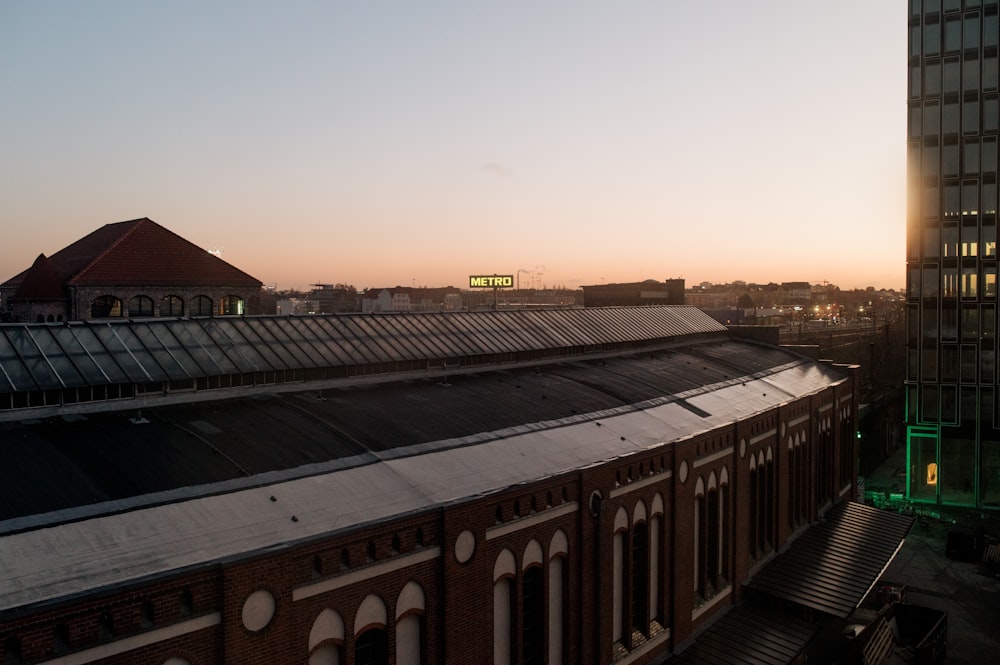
[[649, 292], [129, 269], [565, 486]]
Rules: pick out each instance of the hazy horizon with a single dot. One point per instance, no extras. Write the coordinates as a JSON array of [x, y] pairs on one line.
[[378, 144]]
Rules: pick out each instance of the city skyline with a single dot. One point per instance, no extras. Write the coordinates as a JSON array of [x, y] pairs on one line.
[[396, 144]]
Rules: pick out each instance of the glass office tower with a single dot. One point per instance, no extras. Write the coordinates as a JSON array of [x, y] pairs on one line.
[[952, 388]]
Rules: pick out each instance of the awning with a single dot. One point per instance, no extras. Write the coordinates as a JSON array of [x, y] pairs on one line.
[[835, 563], [750, 634], [829, 568]]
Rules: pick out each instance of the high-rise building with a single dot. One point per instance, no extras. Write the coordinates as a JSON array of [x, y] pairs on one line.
[[952, 387]]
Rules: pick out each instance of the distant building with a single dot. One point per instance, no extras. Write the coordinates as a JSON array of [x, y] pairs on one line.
[[952, 383], [334, 299], [128, 270], [649, 292], [411, 299], [294, 306], [799, 293]]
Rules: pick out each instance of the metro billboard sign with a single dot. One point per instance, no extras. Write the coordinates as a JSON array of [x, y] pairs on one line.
[[491, 281]]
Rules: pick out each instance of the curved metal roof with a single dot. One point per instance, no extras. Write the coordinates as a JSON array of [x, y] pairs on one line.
[[38, 357]]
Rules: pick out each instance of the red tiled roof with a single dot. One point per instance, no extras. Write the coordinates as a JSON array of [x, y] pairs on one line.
[[140, 252], [41, 282]]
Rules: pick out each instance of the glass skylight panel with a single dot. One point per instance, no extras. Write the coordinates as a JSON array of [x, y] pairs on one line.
[[164, 334], [53, 349], [351, 337], [204, 351], [408, 338], [153, 343], [15, 373], [264, 345], [236, 346], [375, 334], [451, 335], [316, 338], [290, 340], [416, 328], [124, 356], [38, 368]]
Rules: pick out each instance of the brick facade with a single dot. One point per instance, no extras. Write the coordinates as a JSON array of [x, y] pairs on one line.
[[443, 566]]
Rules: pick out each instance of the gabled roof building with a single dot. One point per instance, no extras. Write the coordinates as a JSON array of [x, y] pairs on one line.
[[128, 270], [595, 485]]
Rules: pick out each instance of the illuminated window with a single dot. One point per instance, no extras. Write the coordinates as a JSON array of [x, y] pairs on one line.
[[989, 241], [970, 241], [970, 282], [932, 473], [231, 306]]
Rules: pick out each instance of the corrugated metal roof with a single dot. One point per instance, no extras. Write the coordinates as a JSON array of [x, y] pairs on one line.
[[832, 566], [750, 634], [36, 357]]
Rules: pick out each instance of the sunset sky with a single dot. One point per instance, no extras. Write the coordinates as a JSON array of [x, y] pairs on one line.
[[384, 143]]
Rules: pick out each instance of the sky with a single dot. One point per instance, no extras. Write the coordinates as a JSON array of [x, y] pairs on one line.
[[385, 143]]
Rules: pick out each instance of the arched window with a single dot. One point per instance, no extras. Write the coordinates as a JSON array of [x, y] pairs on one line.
[[655, 576], [754, 505], [713, 524], [140, 306], [104, 307], [171, 306], [640, 577], [326, 639], [700, 538], [503, 607], [533, 616], [558, 550], [371, 642], [231, 306], [793, 484], [847, 454], [619, 579], [410, 625], [201, 306], [767, 537], [724, 525]]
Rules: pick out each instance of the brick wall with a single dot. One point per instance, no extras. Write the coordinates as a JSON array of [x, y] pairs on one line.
[[450, 553]]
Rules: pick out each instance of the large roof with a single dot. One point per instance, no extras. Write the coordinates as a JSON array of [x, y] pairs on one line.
[[138, 252], [141, 493]]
